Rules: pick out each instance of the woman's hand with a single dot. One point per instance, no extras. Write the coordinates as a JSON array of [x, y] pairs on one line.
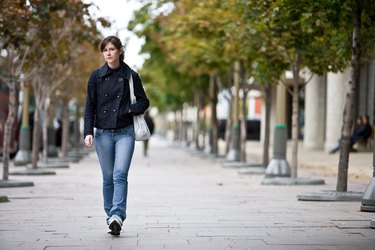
[[89, 141]]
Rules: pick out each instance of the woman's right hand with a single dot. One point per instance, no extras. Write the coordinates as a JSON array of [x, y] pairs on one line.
[[89, 141]]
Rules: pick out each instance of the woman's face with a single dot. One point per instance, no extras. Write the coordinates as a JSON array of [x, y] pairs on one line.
[[111, 54]]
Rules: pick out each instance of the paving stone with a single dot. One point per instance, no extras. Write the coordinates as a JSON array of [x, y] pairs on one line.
[[179, 201]]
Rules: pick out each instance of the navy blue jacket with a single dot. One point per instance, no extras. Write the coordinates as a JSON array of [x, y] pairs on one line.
[[108, 99]]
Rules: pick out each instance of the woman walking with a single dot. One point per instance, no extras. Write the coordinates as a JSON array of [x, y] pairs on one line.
[[108, 109]]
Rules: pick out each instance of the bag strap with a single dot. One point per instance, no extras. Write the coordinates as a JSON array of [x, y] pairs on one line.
[[133, 99]]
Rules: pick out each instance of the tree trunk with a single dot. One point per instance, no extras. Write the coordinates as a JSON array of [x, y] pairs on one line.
[[236, 100], [36, 138], [51, 137], [295, 115], [295, 128], [45, 123], [204, 126], [213, 97], [235, 115], [77, 133], [65, 128], [266, 140], [243, 126], [181, 134], [12, 113], [228, 126], [198, 124], [175, 128], [184, 126], [342, 177]]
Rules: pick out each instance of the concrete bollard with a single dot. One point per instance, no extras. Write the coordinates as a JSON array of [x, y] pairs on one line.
[[23, 155], [52, 149], [368, 198], [278, 166]]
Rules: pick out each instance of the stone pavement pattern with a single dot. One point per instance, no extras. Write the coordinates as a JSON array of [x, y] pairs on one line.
[[178, 201]]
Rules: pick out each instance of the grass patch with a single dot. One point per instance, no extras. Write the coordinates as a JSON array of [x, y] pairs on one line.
[[3, 198]]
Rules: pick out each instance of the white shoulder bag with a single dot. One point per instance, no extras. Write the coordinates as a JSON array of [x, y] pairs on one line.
[[140, 126]]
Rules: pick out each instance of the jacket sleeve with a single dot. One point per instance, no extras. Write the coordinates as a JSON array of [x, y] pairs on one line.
[[142, 103], [90, 107]]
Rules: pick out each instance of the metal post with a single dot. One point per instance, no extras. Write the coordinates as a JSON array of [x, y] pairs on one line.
[[23, 155], [278, 166]]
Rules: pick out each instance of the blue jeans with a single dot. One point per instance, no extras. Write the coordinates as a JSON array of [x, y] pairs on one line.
[[353, 140], [115, 151]]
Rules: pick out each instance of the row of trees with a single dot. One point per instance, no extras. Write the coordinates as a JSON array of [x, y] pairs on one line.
[[48, 46], [196, 48]]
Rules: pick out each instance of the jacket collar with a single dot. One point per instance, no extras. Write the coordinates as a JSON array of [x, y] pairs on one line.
[[125, 70]]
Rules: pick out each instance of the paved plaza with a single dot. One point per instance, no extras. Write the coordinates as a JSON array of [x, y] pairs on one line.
[[180, 200]]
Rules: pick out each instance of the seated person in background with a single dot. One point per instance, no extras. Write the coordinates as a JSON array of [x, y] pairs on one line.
[[358, 133], [364, 133]]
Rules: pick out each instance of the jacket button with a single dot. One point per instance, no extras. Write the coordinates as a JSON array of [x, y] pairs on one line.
[[104, 111], [118, 96], [106, 94], [107, 78], [114, 110], [120, 79]]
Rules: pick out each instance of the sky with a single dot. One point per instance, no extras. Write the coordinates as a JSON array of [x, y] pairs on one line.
[[119, 12]]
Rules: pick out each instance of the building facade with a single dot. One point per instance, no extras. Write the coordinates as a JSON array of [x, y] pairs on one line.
[[322, 106]]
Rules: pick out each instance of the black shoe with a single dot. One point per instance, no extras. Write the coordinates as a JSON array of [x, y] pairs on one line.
[[115, 226], [114, 233]]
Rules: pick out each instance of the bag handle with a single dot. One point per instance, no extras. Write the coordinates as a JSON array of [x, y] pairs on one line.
[[133, 99]]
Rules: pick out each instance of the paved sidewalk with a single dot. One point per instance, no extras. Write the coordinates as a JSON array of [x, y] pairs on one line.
[[320, 162], [180, 201]]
